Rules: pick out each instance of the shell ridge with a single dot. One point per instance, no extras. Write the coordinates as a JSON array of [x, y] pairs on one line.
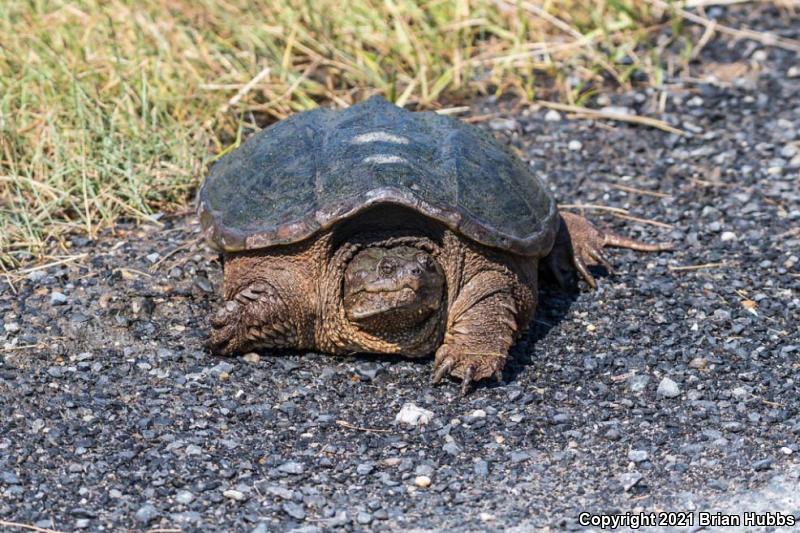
[[317, 146], [452, 150]]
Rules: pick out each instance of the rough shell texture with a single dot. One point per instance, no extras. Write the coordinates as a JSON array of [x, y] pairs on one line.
[[308, 172]]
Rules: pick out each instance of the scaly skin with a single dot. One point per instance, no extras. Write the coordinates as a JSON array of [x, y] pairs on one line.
[[470, 303], [579, 244]]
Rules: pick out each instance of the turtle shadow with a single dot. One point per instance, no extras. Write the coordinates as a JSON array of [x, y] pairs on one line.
[[554, 306]]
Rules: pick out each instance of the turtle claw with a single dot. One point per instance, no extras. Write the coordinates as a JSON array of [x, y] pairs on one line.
[[224, 330], [601, 259], [583, 270], [467, 380], [442, 370], [223, 315], [498, 375], [469, 368]]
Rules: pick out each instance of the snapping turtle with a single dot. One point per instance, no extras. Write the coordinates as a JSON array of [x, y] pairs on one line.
[[375, 229]]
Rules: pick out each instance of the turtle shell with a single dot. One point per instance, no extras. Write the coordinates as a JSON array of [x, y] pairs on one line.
[[306, 173]]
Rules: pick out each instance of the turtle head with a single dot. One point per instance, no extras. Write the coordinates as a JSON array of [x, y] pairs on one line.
[[392, 289]]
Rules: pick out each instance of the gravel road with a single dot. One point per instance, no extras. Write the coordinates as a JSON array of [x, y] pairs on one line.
[[674, 386]]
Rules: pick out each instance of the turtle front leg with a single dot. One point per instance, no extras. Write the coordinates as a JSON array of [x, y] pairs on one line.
[[579, 244], [257, 316], [482, 325]]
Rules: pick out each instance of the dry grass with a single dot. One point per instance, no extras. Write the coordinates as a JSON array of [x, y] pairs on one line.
[[114, 108]]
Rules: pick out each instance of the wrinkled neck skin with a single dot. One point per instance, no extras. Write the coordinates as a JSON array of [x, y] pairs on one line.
[[384, 294]]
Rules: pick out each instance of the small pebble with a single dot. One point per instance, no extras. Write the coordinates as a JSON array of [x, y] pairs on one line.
[[552, 116], [193, 449], [281, 492], [451, 448], [146, 514], [339, 519], [637, 456], [695, 101], [252, 357], [630, 480], [184, 496], [36, 275], [561, 418], [739, 392], [412, 415], [222, 368], [668, 388], [775, 171], [234, 494], [575, 145], [422, 482], [764, 464], [57, 298], [519, 456], [424, 470], [295, 510], [9, 478], [203, 284], [698, 362], [638, 382], [292, 467], [789, 151], [503, 124], [368, 371]]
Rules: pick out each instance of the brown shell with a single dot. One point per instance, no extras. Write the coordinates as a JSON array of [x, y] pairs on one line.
[[306, 173]]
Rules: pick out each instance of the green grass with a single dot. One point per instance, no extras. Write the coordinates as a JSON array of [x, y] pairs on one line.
[[114, 109]]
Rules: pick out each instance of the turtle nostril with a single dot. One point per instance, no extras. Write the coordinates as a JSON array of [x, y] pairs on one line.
[[425, 261], [386, 267]]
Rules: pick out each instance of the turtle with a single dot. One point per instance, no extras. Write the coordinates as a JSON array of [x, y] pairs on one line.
[[375, 229]]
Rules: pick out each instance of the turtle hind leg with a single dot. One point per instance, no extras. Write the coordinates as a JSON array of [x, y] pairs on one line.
[[612, 240], [580, 244], [256, 317]]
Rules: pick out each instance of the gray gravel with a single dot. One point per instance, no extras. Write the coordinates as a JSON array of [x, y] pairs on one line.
[[673, 386]]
